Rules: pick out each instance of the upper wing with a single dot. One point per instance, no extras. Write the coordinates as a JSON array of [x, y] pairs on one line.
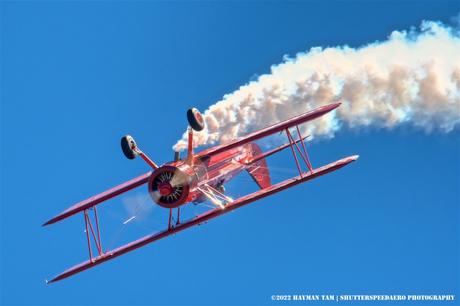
[[278, 127], [305, 176]]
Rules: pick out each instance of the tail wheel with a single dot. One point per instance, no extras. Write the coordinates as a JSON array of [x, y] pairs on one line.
[[127, 145], [195, 119], [220, 188]]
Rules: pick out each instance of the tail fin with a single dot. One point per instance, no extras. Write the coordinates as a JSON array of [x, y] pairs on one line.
[[258, 170], [258, 167]]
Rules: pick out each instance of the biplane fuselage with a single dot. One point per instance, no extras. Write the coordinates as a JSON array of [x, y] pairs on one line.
[[199, 177]]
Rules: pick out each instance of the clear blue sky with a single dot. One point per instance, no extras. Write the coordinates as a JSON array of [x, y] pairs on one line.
[[76, 76]]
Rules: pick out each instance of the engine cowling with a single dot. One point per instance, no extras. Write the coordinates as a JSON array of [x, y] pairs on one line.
[[169, 186]]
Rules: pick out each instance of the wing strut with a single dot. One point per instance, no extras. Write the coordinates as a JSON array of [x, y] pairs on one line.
[[95, 233], [303, 155], [108, 255]]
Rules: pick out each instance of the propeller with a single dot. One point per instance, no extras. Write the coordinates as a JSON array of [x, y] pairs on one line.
[[137, 206], [168, 186]]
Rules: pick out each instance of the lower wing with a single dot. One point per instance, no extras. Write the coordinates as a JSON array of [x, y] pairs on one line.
[[303, 177]]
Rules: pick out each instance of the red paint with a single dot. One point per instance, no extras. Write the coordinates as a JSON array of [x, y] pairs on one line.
[[96, 218], [181, 182], [148, 160], [258, 170], [165, 189], [190, 146], [206, 216]]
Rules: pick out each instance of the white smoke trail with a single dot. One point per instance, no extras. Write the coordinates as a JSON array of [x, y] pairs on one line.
[[413, 77]]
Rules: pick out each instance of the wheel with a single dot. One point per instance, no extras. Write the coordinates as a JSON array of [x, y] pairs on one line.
[[195, 119], [127, 145]]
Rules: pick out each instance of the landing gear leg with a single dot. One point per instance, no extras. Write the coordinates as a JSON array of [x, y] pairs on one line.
[[131, 150]]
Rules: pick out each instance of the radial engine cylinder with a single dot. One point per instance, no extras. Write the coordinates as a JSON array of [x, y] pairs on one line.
[[171, 186]]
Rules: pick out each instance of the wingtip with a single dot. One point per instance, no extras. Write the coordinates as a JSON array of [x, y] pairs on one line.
[[53, 280], [332, 106], [47, 222], [53, 220]]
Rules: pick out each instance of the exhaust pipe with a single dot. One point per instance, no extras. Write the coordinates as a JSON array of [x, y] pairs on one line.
[[176, 156]]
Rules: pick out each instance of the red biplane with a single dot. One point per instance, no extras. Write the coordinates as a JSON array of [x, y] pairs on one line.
[[200, 177]]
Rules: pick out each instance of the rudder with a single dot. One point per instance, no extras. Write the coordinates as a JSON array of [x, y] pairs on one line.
[[259, 170]]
